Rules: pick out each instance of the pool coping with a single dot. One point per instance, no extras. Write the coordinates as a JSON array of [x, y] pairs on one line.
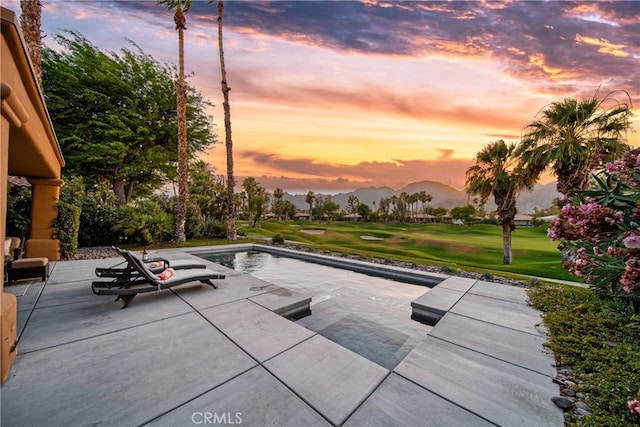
[[401, 274]]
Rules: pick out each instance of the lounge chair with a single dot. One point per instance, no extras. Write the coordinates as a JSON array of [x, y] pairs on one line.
[[156, 265], [144, 280]]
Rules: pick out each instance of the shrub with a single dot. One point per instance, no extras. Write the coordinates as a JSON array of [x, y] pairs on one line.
[[145, 224], [211, 227], [486, 276], [193, 226], [18, 211], [446, 269], [277, 239], [98, 217], [599, 234], [601, 352], [67, 225], [533, 282]]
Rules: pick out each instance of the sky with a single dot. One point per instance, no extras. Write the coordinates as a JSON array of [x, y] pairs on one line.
[[332, 96]]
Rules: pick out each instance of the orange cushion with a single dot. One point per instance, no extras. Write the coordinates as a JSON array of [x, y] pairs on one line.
[[166, 274], [29, 262]]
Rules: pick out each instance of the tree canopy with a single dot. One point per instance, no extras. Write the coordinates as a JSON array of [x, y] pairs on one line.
[[573, 137], [115, 115]]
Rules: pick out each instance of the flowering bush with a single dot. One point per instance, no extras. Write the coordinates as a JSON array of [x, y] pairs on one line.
[[634, 405], [599, 232]]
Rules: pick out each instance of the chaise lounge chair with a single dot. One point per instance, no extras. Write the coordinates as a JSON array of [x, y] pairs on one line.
[[156, 265], [144, 280]]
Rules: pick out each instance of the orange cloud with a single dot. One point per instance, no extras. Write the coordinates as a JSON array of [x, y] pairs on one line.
[[604, 46]]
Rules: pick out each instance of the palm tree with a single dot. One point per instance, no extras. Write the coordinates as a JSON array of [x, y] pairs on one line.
[[497, 173], [249, 185], [232, 232], [309, 199], [574, 137], [30, 20], [181, 7]]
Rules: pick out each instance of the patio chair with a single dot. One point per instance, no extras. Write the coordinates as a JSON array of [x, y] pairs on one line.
[[18, 268], [156, 265], [144, 280]]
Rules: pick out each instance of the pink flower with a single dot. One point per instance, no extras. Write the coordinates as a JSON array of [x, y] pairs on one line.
[[632, 241], [634, 406]]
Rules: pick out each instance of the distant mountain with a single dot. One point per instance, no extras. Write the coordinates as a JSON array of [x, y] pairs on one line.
[[443, 196], [541, 197]]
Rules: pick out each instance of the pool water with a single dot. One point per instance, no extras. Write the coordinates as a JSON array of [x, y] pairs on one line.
[[368, 315]]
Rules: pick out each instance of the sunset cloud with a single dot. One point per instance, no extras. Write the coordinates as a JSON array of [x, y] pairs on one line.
[[344, 94]]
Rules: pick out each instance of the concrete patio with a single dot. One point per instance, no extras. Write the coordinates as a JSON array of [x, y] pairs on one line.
[[195, 355]]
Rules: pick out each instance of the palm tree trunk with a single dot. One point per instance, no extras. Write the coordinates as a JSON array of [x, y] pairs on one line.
[[232, 233], [506, 243], [183, 189], [30, 19]]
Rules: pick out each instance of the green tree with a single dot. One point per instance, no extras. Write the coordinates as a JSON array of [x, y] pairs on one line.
[[258, 200], [464, 213], [181, 7], [250, 186], [437, 212], [309, 198], [573, 137], [115, 116], [364, 210], [284, 209], [352, 206], [425, 199], [207, 190], [329, 207], [497, 173]]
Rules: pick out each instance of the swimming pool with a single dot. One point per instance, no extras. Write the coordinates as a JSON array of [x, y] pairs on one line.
[[368, 315]]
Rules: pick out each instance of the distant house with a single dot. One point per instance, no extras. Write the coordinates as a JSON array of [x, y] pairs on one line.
[[549, 218], [301, 215], [422, 217], [522, 220], [352, 217]]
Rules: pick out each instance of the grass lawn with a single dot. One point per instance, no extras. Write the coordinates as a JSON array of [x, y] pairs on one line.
[[474, 248]]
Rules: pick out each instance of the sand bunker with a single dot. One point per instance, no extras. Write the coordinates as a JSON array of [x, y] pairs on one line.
[[371, 238], [312, 231]]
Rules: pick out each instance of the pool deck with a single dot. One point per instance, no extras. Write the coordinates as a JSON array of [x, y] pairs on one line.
[[194, 355]]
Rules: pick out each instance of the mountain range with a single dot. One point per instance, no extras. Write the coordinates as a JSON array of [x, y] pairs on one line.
[[541, 197]]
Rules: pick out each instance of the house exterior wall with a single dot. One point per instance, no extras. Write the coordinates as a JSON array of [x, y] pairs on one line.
[[28, 147]]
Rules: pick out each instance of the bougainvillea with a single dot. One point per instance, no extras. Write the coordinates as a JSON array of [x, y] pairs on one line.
[[599, 231]]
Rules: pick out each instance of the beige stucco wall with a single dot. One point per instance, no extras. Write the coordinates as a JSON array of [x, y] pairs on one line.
[[28, 147]]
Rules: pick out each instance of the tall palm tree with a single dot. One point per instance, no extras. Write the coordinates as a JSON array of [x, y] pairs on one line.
[[574, 137], [232, 232], [497, 173], [30, 21], [181, 8], [310, 197], [278, 194]]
